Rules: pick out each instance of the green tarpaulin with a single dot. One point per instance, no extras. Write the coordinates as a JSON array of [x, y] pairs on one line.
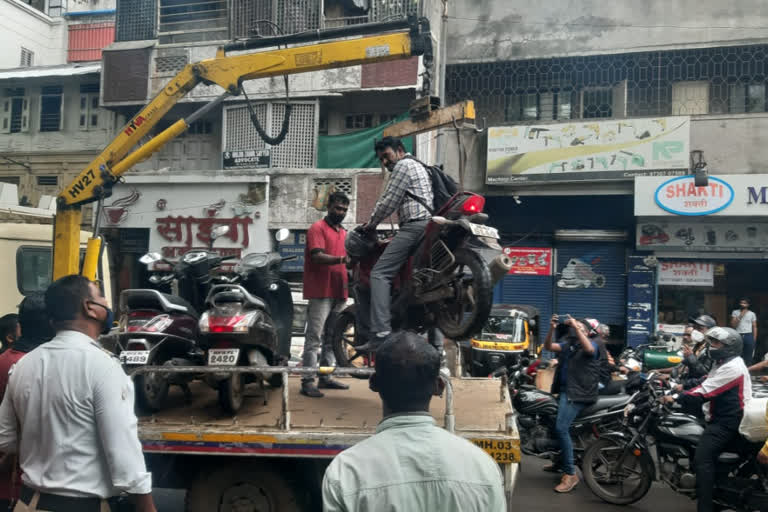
[[354, 150]]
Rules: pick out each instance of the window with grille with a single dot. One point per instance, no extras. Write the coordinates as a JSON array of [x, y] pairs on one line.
[[56, 8], [252, 18], [298, 148], [89, 117], [170, 64], [385, 118], [27, 57], [381, 10], [13, 180], [48, 181], [336, 185], [50, 108], [136, 20], [14, 115], [357, 121], [184, 21], [687, 82]]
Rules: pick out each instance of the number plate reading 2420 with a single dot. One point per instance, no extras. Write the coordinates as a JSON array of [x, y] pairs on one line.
[[501, 450], [223, 356]]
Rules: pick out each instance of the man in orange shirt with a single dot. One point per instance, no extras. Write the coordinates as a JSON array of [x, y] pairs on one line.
[[35, 330]]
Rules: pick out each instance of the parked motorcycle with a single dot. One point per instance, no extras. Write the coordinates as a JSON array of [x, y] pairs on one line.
[[447, 283], [620, 467], [158, 328], [248, 321], [536, 415]]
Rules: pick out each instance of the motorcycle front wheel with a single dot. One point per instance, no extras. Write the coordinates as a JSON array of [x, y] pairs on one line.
[[231, 393], [467, 312], [613, 482]]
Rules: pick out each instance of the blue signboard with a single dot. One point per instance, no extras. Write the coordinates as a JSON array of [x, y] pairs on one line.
[[293, 246]]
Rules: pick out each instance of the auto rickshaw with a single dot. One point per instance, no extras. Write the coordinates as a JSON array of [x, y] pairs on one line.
[[510, 332]]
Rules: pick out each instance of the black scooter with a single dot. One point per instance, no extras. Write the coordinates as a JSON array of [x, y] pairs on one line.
[[159, 328], [248, 321]]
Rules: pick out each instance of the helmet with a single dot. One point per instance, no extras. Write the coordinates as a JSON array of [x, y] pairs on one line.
[[703, 321], [730, 339], [592, 326], [357, 244], [604, 331]]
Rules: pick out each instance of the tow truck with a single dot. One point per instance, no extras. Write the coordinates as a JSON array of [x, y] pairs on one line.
[[272, 455]]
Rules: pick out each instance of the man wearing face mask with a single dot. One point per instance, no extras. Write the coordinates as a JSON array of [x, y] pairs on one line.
[[68, 410], [721, 396]]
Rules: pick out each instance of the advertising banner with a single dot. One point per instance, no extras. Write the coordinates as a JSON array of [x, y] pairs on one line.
[[686, 273], [531, 261], [696, 235], [599, 150]]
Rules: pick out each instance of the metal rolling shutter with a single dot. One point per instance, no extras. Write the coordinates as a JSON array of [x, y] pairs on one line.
[[533, 291], [591, 281]]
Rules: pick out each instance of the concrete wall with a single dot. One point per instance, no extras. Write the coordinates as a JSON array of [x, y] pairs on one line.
[[488, 30], [23, 26], [732, 144]]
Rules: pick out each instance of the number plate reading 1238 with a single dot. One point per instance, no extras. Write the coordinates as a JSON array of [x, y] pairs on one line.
[[503, 451], [223, 356]]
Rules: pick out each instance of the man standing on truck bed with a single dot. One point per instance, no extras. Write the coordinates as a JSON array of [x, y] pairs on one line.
[[325, 288], [68, 411], [411, 464], [408, 179]]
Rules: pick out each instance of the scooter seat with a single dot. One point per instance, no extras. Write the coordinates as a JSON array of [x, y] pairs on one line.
[[604, 402], [153, 299]]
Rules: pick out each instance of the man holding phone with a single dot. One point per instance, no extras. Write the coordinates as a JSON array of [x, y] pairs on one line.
[[577, 381]]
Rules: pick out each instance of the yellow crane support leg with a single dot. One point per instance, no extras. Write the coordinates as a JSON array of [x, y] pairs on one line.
[[66, 235]]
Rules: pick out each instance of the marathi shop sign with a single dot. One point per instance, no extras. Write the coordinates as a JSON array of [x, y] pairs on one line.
[[686, 273], [726, 195], [599, 150], [532, 261], [681, 196]]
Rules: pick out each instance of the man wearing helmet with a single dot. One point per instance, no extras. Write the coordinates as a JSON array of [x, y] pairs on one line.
[[725, 390]]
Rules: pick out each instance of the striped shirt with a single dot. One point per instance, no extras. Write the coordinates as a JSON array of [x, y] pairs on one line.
[[407, 176]]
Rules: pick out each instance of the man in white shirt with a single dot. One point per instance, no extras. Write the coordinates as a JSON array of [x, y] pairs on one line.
[[745, 322], [68, 411], [411, 464]]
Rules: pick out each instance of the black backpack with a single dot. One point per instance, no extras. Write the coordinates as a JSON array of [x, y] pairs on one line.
[[443, 187]]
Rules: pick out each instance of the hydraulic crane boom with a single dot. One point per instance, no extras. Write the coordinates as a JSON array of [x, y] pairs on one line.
[[402, 39]]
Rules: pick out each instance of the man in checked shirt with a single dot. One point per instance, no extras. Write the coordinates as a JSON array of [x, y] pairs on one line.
[[407, 176]]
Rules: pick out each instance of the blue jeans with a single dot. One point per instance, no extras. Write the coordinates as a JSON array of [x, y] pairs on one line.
[[749, 348], [566, 413]]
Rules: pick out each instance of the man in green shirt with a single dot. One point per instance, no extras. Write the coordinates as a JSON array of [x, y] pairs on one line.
[[411, 464]]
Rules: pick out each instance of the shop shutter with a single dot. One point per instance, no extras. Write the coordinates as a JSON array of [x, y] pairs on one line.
[[591, 281], [533, 291]]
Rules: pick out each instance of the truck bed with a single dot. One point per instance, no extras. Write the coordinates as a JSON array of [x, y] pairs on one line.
[[319, 427]]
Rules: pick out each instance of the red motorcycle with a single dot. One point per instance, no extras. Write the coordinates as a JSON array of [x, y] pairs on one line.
[[447, 283]]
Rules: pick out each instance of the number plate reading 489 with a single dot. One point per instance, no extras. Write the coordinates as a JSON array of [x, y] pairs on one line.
[[501, 450], [223, 356]]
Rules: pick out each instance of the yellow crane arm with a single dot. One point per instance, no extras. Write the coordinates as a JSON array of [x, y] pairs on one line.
[[404, 39]]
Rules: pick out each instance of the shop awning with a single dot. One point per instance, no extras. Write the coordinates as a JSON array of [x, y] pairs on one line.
[[48, 71]]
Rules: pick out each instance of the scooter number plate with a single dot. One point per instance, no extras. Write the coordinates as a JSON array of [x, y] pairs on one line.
[[480, 230], [223, 356], [134, 356]]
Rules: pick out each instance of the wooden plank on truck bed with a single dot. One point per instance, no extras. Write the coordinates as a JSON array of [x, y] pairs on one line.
[[320, 427]]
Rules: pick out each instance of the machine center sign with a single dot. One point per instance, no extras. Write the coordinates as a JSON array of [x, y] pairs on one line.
[[680, 196]]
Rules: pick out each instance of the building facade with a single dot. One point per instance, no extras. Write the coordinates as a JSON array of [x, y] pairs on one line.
[[582, 106]]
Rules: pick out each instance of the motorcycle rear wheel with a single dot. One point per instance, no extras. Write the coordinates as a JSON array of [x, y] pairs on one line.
[[231, 393], [460, 319], [609, 483], [151, 391], [344, 341]]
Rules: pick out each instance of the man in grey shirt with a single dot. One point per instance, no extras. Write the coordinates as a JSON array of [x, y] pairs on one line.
[[411, 464], [745, 322]]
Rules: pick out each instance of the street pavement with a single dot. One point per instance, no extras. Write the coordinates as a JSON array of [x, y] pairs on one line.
[[533, 493]]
